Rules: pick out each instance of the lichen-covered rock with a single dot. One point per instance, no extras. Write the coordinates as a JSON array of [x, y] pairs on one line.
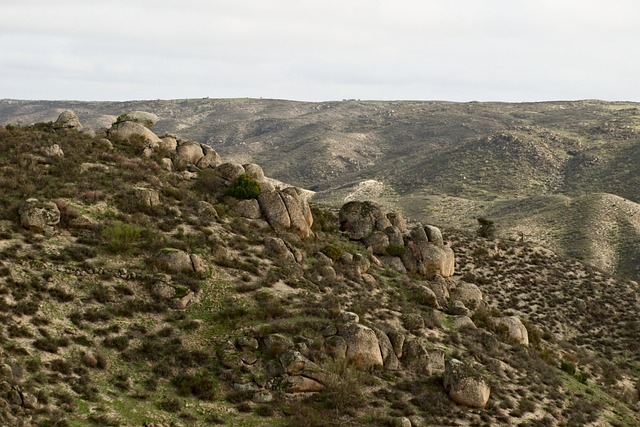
[[336, 347], [434, 235], [395, 263], [187, 153], [416, 357], [147, 120], [38, 216], [168, 143], [146, 197], [274, 210], [514, 328], [299, 212], [464, 386], [230, 171], [360, 219], [254, 171], [277, 248], [172, 260], [67, 119], [249, 208], [468, 293], [126, 130], [363, 349], [378, 241], [53, 151]]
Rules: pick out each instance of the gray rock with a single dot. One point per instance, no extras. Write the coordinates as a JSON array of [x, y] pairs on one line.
[[187, 153], [126, 130], [363, 349], [336, 347], [514, 328], [38, 216], [360, 219], [468, 293], [274, 210], [254, 171], [298, 210], [53, 151], [147, 120], [378, 241], [249, 208], [434, 235], [146, 197], [278, 248], [67, 119], [230, 171], [168, 143], [464, 386], [210, 158], [395, 263]]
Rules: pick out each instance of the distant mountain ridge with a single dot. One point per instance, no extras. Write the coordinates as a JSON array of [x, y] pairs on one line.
[[498, 160]]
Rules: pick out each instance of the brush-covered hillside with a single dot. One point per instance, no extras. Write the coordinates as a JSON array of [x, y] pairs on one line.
[[147, 281], [439, 162]]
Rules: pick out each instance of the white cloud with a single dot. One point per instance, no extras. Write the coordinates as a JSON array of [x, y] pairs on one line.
[[508, 50]]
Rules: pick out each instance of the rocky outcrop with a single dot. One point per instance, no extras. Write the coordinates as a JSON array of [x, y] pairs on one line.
[[363, 349], [126, 130], [39, 216], [513, 327], [144, 118], [146, 197], [420, 250], [67, 120], [467, 293], [287, 210], [361, 219], [464, 386]]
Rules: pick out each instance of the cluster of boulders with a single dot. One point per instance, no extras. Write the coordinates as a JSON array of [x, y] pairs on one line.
[[15, 403], [419, 250], [290, 368]]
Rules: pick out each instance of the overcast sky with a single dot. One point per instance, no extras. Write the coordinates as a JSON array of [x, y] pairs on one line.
[[457, 50]]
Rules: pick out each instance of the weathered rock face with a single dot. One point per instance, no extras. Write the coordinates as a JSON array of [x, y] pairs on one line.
[[126, 130], [230, 171], [147, 120], [168, 143], [463, 387], [278, 248], [248, 209], [38, 216], [67, 119], [147, 197], [363, 349], [421, 251], [187, 153], [515, 329], [468, 293], [172, 260], [360, 219], [274, 210], [254, 171], [53, 151], [286, 210]]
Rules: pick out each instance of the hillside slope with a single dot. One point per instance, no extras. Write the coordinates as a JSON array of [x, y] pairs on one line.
[[471, 155], [131, 294]]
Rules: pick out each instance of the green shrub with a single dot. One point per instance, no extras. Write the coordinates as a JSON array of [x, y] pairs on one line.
[[333, 252], [568, 366], [244, 187], [487, 228], [396, 250], [120, 237]]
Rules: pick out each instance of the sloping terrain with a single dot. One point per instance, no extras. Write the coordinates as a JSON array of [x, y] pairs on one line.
[[469, 156], [98, 329]]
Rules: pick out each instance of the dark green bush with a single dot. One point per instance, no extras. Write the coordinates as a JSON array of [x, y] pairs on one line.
[[568, 366], [244, 187], [487, 228], [396, 250], [333, 252]]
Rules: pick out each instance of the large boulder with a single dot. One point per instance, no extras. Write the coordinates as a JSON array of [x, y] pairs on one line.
[[67, 119], [172, 260], [360, 219], [299, 212], [514, 328], [146, 197], [431, 258], [210, 158], [468, 293], [363, 348], [464, 386], [230, 171], [254, 171], [39, 216], [187, 153], [274, 210], [126, 130], [147, 120]]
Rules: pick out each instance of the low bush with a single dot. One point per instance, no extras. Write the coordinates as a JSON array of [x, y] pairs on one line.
[[120, 237], [244, 187]]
